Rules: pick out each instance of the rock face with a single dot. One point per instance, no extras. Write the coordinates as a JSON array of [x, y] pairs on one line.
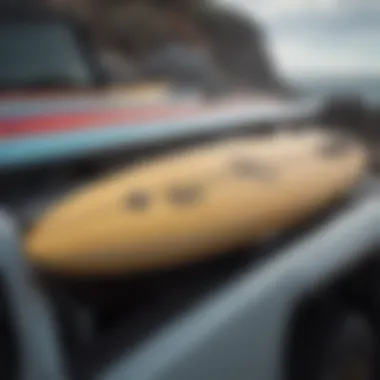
[[135, 28], [187, 67], [239, 45]]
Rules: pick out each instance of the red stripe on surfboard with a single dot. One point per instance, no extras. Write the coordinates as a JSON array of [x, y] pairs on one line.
[[65, 122], [69, 122]]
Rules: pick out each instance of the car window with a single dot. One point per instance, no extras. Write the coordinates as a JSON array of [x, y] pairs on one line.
[[41, 54]]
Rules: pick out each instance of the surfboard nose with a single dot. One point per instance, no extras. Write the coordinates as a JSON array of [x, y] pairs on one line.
[[50, 246]]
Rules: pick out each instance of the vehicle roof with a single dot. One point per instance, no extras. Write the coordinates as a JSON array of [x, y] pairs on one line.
[[25, 12]]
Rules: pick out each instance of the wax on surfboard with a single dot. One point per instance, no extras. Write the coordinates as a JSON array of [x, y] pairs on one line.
[[195, 204]]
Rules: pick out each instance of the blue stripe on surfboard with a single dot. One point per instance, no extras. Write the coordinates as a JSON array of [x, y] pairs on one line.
[[26, 151]]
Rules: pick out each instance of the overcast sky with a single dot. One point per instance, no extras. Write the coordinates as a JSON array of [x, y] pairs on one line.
[[321, 36]]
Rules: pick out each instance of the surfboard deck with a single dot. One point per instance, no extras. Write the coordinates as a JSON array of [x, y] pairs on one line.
[[186, 207]]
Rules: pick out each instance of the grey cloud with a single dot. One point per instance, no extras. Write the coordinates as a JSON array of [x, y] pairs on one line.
[[326, 24]]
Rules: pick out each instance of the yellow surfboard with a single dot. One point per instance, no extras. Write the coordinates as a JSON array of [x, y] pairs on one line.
[[196, 204]]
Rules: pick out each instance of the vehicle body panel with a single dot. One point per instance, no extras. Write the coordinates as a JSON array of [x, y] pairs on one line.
[[240, 332]]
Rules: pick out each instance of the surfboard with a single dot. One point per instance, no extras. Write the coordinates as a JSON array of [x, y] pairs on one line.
[[196, 204], [29, 136]]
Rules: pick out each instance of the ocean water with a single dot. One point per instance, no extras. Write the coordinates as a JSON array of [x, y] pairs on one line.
[[367, 87]]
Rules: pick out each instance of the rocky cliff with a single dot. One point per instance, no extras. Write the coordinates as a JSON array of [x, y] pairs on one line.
[[236, 45]]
